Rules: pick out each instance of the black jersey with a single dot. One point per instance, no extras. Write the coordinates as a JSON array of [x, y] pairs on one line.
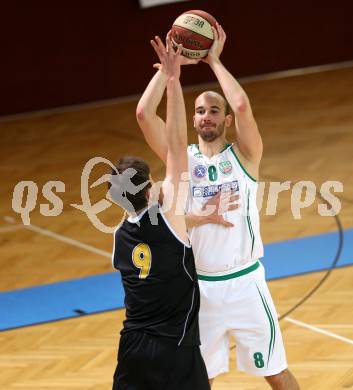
[[159, 277]]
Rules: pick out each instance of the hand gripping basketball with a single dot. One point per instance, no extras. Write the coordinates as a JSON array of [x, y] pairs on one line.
[[218, 44]]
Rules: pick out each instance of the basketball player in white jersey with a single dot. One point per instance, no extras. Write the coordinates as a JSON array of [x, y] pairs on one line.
[[235, 299]]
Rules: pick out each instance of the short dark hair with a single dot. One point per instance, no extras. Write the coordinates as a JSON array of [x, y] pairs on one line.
[[119, 192]]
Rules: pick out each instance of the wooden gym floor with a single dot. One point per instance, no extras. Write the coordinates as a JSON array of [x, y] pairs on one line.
[[306, 122]]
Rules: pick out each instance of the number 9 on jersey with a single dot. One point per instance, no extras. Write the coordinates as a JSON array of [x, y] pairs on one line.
[[142, 258]]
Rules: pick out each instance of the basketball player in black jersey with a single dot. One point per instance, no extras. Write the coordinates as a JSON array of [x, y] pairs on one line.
[[159, 344]]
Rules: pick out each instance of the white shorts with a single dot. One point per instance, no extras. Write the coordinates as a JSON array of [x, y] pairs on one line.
[[241, 307]]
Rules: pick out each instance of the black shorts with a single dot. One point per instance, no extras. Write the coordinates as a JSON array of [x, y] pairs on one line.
[[151, 363]]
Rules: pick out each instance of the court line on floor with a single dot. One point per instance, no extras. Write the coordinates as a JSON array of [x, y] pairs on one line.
[[65, 239], [9, 219], [335, 326], [68, 240], [319, 330], [5, 229]]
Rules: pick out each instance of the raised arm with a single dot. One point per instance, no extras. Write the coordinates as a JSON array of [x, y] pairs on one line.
[[175, 135], [248, 138], [153, 126]]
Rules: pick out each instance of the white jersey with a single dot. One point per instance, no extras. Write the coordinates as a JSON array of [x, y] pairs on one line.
[[218, 248]]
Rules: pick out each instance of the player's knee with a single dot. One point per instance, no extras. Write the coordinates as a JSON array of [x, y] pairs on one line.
[[283, 381], [277, 380]]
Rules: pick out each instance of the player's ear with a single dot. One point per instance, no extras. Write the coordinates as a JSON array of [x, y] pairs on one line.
[[193, 121], [229, 120]]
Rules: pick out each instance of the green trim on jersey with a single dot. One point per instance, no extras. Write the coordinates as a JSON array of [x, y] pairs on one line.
[[199, 151], [242, 167], [225, 148], [272, 325], [248, 219], [242, 272]]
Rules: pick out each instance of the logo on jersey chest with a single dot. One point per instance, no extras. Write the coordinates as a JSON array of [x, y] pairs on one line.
[[199, 171], [226, 167], [212, 190]]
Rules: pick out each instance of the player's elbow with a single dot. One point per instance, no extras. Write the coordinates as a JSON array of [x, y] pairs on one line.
[[140, 113], [241, 104], [144, 114]]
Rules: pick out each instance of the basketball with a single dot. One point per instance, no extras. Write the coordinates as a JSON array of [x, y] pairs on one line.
[[193, 30]]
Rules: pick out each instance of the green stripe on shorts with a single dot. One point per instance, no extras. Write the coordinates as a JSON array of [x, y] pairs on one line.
[[242, 272], [272, 325]]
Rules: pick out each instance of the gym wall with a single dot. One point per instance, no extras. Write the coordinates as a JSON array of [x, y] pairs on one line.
[[62, 53]]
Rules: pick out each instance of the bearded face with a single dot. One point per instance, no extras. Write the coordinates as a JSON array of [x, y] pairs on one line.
[[210, 131], [210, 119]]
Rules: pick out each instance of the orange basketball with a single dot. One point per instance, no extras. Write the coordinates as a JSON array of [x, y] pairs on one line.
[[193, 30]]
